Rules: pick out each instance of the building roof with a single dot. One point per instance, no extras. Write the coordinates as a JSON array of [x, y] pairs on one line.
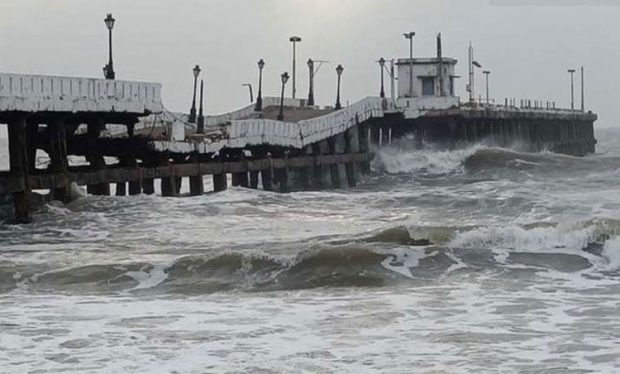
[[426, 61]]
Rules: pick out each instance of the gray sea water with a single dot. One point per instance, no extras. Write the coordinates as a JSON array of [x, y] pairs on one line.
[[481, 260]]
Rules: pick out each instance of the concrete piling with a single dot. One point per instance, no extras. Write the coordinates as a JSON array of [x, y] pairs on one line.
[[18, 160]]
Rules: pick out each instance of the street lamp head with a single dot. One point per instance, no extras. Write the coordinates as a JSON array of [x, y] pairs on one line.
[[284, 77], [409, 35], [261, 64], [476, 64], [571, 70], [295, 39], [486, 72], [310, 63], [109, 21], [196, 71], [382, 62], [339, 69]]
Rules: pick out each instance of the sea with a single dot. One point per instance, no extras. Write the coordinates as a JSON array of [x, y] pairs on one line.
[[475, 260]]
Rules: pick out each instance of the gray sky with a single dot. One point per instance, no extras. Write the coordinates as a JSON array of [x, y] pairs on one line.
[[528, 48]]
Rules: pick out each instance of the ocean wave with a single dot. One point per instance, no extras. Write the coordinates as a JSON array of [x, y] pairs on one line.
[[400, 158]]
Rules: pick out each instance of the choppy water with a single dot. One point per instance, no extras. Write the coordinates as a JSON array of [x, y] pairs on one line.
[[479, 260]]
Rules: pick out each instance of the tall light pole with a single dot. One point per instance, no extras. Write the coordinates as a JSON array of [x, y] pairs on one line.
[[192, 112], [583, 107], [249, 85], [294, 40], [339, 70], [572, 89], [200, 127], [311, 82], [410, 35], [108, 70], [284, 78], [472, 63], [259, 98], [486, 72], [382, 66]]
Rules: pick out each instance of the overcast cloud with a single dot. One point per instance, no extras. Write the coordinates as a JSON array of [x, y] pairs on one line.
[[528, 48]]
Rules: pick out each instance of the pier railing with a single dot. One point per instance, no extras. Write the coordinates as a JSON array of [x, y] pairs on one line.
[[30, 93]]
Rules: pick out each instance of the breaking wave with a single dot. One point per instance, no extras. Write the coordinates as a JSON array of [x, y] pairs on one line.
[[385, 257], [433, 161]]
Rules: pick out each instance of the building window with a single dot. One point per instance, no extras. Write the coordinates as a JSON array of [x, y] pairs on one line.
[[428, 86]]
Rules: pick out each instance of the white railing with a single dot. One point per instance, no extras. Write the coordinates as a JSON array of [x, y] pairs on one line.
[[32, 93], [300, 134]]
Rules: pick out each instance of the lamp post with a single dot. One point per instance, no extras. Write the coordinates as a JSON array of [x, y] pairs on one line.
[[572, 89], [311, 83], [472, 63], [583, 107], [339, 70], [200, 127], [192, 112], [410, 35], [249, 85], [486, 72], [382, 66], [259, 98], [294, 40], [108, 70], [284, 77]]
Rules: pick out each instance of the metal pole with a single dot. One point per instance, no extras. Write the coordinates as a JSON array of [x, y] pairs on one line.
[[382, 66], [583, 108], [259, 98], [572, 89], [294, 68], [192, 112], [392, 81], [294, 40], [311, 83], [339, 70], [281, 114], [200, 128], [411, 66], [471, 73], [111, 70], [486, 73], [251, 92]]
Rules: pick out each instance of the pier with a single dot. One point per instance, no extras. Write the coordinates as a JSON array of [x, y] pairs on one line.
[[282, 145]]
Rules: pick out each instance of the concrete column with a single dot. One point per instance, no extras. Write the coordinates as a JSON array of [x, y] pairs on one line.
[[32, 136], [96, 161], [267, 175], [334, 169], [121, 189], [254, 179], [178, 183], [196, 183], [351, 146], [241, 178], [148, 184], [58, 159], [168, 184], [18, 160], [363, 145]]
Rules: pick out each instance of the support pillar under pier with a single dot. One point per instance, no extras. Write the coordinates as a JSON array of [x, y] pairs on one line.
[[96, 161], [58, 159], [267, 175], [254, 179], [18, 159]]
